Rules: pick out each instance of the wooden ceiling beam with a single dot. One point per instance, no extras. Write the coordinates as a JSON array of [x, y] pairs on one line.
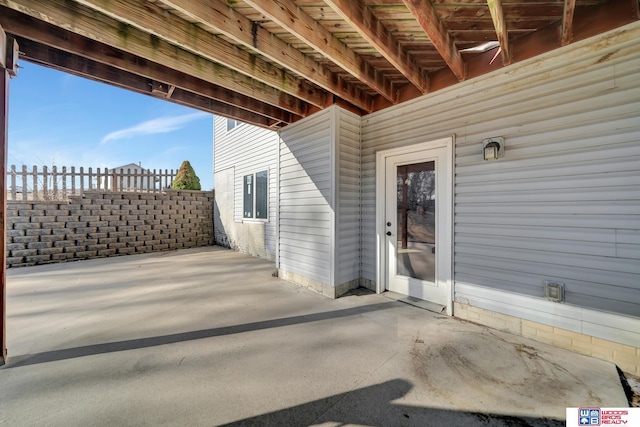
[[87, 68], [600, 19], [154, 20], [218, 17], [30, 28], [359, 16], [289, 16], [91, 24], [500, 24], [426, 16], [567, 21]]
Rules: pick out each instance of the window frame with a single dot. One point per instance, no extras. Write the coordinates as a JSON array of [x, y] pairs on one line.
[[250, 182], [232, 124]]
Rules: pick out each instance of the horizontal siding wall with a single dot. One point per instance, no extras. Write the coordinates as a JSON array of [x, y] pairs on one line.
[[305, 214], [348, 227], [564, 202], [247, 149]]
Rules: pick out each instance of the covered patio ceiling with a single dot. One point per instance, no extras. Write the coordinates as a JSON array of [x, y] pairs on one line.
[[273, 62]]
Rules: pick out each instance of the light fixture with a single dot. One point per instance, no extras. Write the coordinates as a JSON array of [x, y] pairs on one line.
[[492, 148]]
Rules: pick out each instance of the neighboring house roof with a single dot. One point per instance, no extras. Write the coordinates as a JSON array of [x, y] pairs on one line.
[[128, 166]]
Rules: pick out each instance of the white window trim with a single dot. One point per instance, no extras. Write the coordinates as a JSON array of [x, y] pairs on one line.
[[255, 220], [237, 124]]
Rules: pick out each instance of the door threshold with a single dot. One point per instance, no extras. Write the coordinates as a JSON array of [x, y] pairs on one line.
[[416, 302]]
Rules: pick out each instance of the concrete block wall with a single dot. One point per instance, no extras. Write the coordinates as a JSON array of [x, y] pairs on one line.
[[101, 224]]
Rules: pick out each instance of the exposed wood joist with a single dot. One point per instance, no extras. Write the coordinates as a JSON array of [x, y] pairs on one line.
[[106, 30], [296, 21], [358, 15], [567, 21], [156, 21], [426, 16], [26, 26], [217, 16], [598, 20], [500, 24], [270, 68], [83, 67]]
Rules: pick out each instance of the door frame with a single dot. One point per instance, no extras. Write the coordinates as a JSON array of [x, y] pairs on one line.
[[445, 277]]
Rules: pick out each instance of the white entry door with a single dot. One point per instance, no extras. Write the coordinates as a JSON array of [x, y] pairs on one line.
[[417, 222]]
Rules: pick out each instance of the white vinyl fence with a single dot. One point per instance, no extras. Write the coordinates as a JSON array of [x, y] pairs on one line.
[[60, 183]]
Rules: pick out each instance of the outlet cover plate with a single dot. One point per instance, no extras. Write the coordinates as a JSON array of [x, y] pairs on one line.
[[554, 291]]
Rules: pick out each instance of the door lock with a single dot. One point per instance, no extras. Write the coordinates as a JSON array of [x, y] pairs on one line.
[[388, 224], [388, 233]]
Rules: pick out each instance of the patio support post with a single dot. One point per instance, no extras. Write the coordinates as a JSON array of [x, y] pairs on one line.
[[7, 65]]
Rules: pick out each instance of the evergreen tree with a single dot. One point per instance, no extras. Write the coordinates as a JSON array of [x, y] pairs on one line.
[[186, 179]]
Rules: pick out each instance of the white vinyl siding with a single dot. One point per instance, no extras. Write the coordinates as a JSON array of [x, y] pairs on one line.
[[248, 150], [564, 202], [306, 216], [348, 220]]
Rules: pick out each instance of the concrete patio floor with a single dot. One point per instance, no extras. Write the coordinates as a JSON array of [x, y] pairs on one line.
[[207, 337]]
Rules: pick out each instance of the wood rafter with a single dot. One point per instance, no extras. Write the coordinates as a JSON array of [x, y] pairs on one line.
[[600, 19], [358, 15], [156, 21], [426, 16], [567, 21], [44, 33], [217, 16], [83, 67], [500, 24], [296, 21], [285, 59], [124, 37]]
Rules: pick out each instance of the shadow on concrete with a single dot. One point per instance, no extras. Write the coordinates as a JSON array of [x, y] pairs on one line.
[[111, 347], [375, 406]]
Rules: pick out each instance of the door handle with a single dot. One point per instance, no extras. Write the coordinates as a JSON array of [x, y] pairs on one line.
[[388, 224], [388, 233]]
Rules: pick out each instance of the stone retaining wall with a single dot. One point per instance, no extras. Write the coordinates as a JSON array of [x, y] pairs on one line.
[[101, 224]]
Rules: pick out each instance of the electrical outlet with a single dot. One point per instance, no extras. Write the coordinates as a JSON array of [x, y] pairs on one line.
[[554, 291]]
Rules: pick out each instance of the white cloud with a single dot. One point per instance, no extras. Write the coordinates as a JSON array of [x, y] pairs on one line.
[[159, 125]]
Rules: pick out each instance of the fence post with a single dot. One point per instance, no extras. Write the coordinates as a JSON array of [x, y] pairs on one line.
[[13, 182], [81, 180], [54, 178], [106, 179], [45, 184], [35, 182], [73, 180], [135, 181], [64, 182], [98, 184], [25, 186]]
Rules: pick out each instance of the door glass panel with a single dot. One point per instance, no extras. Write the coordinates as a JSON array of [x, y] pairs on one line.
[[416, 248]]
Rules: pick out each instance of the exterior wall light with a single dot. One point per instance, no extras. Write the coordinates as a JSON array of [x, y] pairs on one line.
[[493, 148]]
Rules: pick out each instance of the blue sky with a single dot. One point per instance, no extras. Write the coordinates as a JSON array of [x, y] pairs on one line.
[[59, 119]]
